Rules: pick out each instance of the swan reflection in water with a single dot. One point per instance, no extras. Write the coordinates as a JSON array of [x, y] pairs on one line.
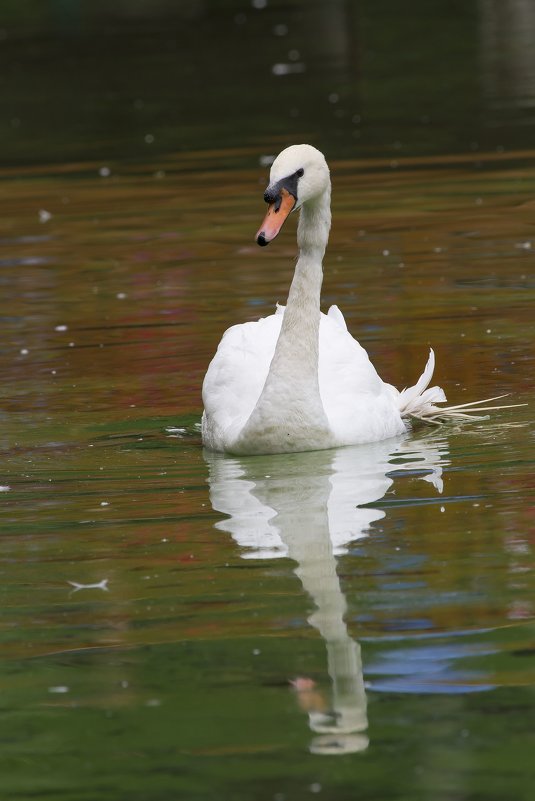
[[310, 507]]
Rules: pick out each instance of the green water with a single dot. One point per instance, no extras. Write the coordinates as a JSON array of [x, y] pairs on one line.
[[341, 625]]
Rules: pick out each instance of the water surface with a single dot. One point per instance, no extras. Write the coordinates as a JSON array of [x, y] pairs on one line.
[[177, 624]]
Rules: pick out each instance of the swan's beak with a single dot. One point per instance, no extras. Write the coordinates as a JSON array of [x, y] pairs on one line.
[[275, 217]]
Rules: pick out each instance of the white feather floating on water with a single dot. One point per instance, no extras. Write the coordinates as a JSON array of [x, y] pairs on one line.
[[97, 585]]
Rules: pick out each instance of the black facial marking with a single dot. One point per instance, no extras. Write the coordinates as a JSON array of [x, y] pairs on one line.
[[273, 192]]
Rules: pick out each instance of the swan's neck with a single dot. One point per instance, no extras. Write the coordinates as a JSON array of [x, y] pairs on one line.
[[298, 344], [289, 414]]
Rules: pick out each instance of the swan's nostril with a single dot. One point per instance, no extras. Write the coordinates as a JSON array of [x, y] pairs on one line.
[[261, 239]]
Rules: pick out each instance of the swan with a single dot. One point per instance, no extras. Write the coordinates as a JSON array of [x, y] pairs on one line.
[[297, 380]]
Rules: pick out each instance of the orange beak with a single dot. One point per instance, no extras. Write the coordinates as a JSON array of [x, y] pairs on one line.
[[276, 214]]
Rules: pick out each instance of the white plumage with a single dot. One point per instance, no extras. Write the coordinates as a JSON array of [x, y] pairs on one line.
[[297, 380]]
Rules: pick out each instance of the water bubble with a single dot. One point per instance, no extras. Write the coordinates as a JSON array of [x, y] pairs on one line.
[[266, 161], [44, 216], [60, 328], [59, 689], [104, 172], [149, 139], [24, 351], [280, 30]]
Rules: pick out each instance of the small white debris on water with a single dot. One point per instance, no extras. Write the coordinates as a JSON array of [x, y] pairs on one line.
[[104, 172], [149, 139], [98, 585], [256, 651], [104, 503], [523, 245], [61, 688], [44, 216], [121, 295], [174, 431], [159, 174], [124, 684], [60, 328], [315, 788], [386, 253], [442, 509], [489, 330], [71, 344], [280, 30], [24, 351], [4, 488], [266, 161]]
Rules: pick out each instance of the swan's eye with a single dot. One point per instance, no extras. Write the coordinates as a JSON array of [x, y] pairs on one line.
[[272, 193]]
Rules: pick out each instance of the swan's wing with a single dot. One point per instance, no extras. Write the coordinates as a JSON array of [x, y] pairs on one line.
[[336, 315], [359, 406], [235, 378]]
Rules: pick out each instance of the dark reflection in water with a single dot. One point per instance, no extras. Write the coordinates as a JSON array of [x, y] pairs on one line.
[[109, 81]]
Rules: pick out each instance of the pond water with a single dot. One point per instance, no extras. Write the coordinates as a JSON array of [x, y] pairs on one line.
[[341, 624]]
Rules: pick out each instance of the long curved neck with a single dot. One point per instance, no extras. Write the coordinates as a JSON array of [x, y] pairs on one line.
[[298, 342], [289, 414]]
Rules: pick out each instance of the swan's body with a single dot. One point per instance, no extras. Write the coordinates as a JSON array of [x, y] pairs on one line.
[[354, 405], [297, 380]]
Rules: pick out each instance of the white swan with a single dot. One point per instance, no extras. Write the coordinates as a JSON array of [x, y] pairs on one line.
[[297, 380]]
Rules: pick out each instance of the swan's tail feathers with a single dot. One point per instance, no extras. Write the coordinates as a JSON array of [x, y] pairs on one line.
[[419, 402]]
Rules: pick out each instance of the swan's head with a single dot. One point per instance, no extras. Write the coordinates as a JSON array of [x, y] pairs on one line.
[[298, 175]]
